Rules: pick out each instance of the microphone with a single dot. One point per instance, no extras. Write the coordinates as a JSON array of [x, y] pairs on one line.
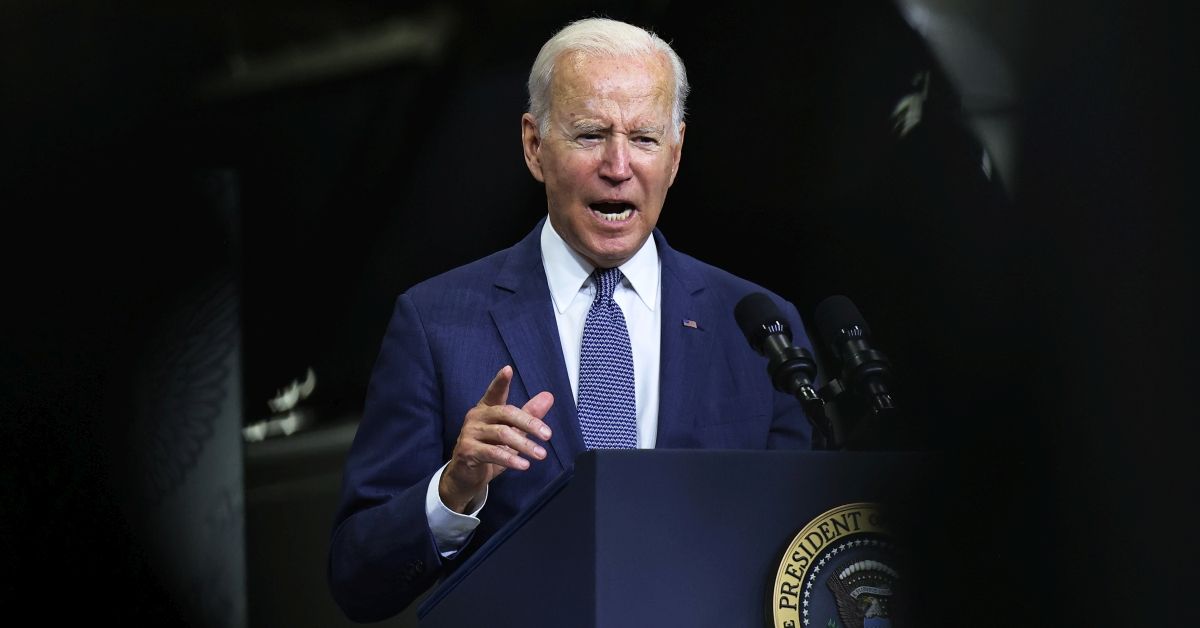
[[865, 370], [792, 369]]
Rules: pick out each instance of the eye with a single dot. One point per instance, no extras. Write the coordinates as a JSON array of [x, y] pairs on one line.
[[645, 140]]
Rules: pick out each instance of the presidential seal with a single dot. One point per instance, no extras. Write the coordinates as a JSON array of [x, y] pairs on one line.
[[843, 570]]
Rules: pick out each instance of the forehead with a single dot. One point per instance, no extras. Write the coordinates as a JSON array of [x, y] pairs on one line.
[[643, 81]]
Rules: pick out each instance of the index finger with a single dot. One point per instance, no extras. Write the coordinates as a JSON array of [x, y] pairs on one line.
[[497, 391]]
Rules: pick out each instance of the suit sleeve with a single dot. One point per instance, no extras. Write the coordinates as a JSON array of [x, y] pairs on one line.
[[382, 555]]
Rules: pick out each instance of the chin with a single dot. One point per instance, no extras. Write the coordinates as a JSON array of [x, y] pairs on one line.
[[614, 256]]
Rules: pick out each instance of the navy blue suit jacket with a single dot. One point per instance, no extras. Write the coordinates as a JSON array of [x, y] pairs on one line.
[[447, 338]]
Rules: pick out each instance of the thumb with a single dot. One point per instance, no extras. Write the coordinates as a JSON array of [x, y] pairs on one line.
[[497, 391], [540, 404]]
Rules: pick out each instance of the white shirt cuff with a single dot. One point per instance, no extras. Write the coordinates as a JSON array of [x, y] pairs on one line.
[[451, 530]]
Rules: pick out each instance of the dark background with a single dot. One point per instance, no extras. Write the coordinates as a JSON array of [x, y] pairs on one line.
[[1039, 328]]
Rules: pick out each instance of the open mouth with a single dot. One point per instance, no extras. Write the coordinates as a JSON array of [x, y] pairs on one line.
[[612, 212]]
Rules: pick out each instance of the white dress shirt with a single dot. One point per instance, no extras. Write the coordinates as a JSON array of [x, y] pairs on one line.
[[571, 289]]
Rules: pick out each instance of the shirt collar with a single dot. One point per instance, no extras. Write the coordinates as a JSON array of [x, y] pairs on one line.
[[567, 271]]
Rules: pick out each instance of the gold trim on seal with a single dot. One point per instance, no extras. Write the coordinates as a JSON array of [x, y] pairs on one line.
[[787, 596]]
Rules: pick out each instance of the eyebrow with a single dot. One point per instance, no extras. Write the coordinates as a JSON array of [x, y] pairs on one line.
[[595, 127], [648, 130], [588, 126]]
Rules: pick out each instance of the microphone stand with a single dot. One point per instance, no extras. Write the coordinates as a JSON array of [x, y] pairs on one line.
[[876, 416], [791, 370], [827, 433], [864, 375]]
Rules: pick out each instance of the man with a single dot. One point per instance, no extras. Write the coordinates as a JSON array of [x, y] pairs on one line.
[[483, 389]]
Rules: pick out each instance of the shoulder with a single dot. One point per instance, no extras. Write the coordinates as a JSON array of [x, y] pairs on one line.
[[505, 269], [722, 290], [701, 275], [474, 275], [456, 297]]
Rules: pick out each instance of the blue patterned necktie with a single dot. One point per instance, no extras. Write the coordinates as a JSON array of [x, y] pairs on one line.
[[606, 403]]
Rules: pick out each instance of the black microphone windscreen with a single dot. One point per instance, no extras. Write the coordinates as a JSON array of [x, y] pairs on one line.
[[837, 313], [753, 313]]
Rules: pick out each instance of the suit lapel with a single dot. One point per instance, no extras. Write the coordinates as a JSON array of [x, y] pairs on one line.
[[686, 345], [524, 315]]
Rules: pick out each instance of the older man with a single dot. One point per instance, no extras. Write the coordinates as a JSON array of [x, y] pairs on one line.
[[590, 332]]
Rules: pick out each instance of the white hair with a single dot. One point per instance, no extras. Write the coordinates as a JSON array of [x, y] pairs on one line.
[[600, 37]]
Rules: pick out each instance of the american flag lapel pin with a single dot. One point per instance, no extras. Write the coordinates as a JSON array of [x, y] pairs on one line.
[[687, 322]]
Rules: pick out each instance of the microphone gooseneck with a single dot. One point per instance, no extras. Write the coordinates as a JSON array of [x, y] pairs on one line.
[[792, 369], [864, 370]]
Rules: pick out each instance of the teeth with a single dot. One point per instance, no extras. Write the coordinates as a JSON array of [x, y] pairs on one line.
[[616, 217]]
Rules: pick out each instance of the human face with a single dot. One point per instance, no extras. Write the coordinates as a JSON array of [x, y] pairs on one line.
[[609, 154]]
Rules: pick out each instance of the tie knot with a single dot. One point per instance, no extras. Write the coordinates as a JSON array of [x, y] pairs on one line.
[[606, 282]]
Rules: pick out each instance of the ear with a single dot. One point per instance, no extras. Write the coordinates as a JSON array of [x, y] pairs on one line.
[[677, 154], [531, 143]]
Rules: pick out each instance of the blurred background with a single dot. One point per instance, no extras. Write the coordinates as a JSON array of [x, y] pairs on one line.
[[209, 209]]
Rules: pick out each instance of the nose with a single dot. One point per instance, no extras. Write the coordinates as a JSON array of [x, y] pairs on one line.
[[614, 165]]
